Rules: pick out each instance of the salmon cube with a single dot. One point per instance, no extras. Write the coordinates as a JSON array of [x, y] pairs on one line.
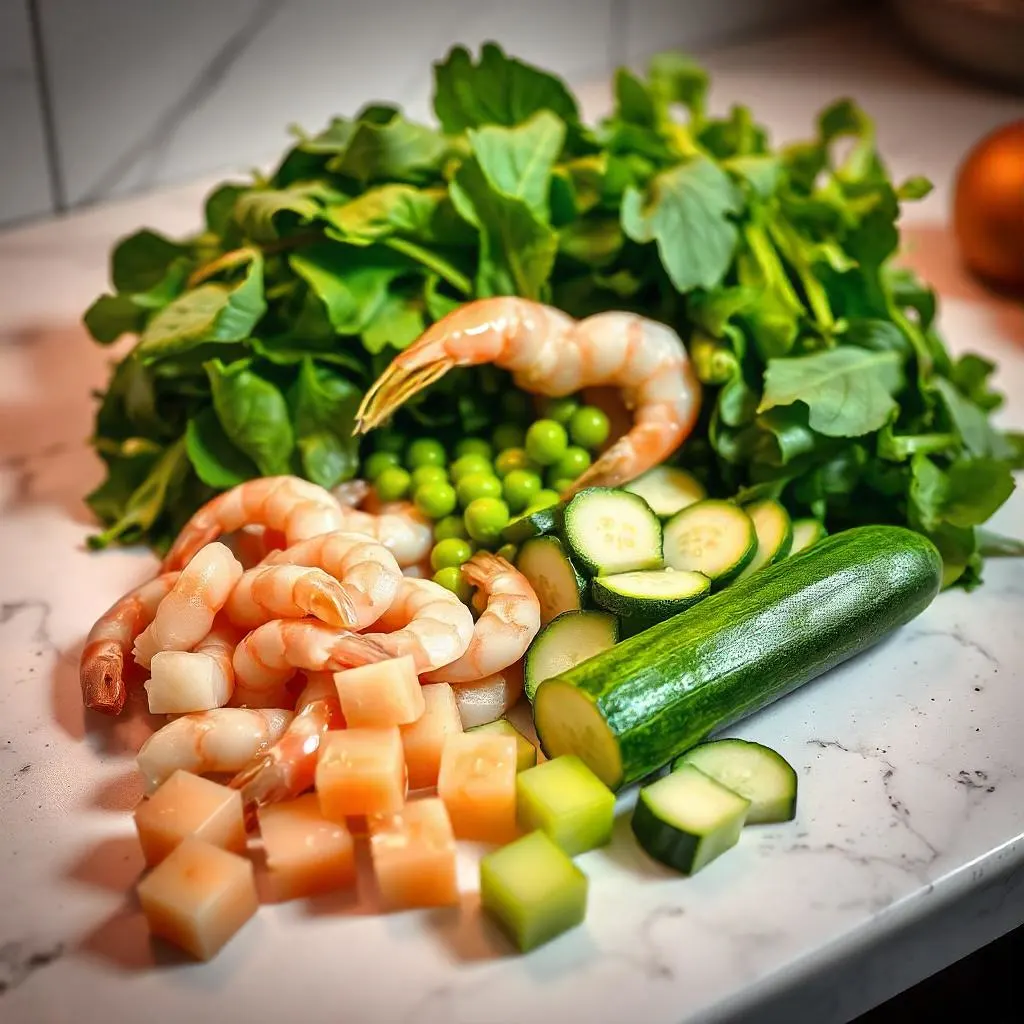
[[413, 855], [188, 805], [477, 783], [380, 695], [424, 738], [198, 897], [306, 853], [360, 771]]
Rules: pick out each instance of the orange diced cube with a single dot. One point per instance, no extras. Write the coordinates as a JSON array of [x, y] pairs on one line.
[[360, 771], [379, 695], [424, 739], [413, 855], [198, 897], [188, 805], [477, 783], [306, 853]]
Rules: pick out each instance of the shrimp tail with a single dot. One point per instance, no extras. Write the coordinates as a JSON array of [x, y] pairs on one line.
[[330, 603], [102, 677], [395, 386]]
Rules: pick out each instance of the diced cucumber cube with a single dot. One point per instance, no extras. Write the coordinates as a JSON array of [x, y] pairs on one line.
[[526, 752], [565, 799], [533, 890]]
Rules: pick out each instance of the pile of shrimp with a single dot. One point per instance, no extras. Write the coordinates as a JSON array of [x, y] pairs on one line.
[[313, 585]]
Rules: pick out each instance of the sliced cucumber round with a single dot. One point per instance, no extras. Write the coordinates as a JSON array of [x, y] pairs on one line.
[[756, 772], [565, 642], [612, 531], [533, 524], [651, 595], [559, 586], [774, 531], [807, 533], [716, 538], [667, 489]]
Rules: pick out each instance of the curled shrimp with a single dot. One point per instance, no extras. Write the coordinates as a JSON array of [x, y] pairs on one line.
[[205, 672], [101, 669], [425, 621], [287, 768], [507, 625], [289, 504], [364, 570], [398, 526], [551, 354], [222, 740], [186, 614], [272, 591]]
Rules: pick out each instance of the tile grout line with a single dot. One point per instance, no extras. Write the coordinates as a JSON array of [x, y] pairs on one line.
[[55, 175]]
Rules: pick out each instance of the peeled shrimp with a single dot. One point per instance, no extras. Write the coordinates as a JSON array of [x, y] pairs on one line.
[[398, 526], [289, 504], [196, 680], [288, 592], [507, 625], [425, 621], [223, 740], [101, 670], [287, 768], [186, 614], [351, 493], [551, 354], [364, 570]]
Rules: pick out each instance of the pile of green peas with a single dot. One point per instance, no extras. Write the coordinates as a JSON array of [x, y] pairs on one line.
[[473, 491]]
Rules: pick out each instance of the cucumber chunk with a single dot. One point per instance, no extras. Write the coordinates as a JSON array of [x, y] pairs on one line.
[[565, 799], [756, 772], [526, 752], [807, 533], [716, 538], [612, 531], [651, 595], [774, 534], [555, 580], [533, 524], [687, 819], [667, 489], [533, 890], [570, 638]]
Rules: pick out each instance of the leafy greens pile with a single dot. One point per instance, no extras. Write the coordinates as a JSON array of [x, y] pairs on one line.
[[826, 383]]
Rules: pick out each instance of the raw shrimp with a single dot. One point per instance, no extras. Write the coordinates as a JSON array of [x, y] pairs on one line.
[[425, 621], [186, 614], [551, 354], [223, 740], [364, 570], [205, 669], [507, 625], [101, 669], [272, 591], [399, 527], [296, 507], [287, 768]]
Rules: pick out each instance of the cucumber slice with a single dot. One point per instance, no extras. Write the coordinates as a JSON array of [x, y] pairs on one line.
[[807, 533], [557, 583], [687, 819], [650, 596], [570, 638], [716, 538], [533, 890], [667, 489], [774, 531], [565, 799], [533, 524], [612, 531], [756, 772], [526, 752]]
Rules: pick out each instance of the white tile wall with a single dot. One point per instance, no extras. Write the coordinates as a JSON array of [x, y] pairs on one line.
[[24, 182]]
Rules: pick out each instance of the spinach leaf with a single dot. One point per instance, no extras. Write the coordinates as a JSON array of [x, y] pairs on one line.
[[325, 407], [217, 462]]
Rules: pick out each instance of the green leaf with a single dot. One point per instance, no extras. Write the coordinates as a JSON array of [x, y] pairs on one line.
[[762, 173], [634, 103], [499, 90], [848, 391], [396, 150], [141, 260], [675, 78], [259, 211], [686, 213], [916, 187], [398, 323], [791, 437], [594, 241], [220, 206], [1015, 440], [217, 462], [210, 313], [971, 373], [387, 210], [253, 413], [976, 488], [325, 408], [110, 316], [978, 435]]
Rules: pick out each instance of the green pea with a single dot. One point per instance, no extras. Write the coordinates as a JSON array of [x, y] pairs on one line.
[[485, 519], [451, 552], [509, 460], [451, 578], [562, 485], [435, 500], [517, 405], [378, 462], [477, 485], [546, 442], [428, 475], [469, 463], [508, 552], [508, 435], [573, 463], [520, 488], [393, 484], [589, 428], [545, 499], [450, 526], [425, 451], [560, 409], [474, 446]]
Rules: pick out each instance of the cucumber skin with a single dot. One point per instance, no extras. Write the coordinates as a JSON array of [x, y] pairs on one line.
[[664, 690]]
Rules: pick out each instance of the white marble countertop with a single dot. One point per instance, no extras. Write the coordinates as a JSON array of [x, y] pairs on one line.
[[908, 847]]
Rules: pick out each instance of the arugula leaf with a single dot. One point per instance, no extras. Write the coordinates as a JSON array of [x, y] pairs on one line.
[[398, 322], [675, 78], [848, 391], [140, 261], [325, 407], [217, 462], [110, 316], [387, 210], [979, 436], [397, 150], [258, 211]]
